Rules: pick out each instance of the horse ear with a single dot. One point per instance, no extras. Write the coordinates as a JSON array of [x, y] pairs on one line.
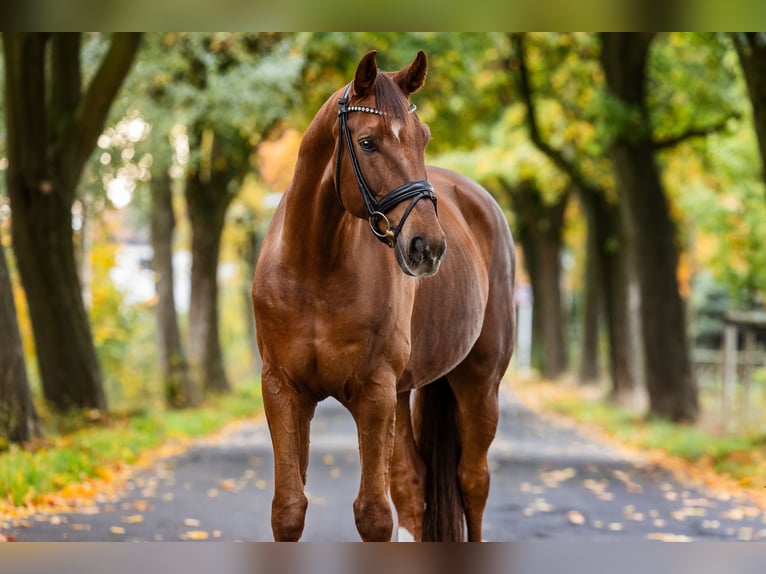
[[366, 72], [412, 78]]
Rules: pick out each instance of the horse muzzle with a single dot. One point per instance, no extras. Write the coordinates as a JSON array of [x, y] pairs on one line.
[[420, 257]]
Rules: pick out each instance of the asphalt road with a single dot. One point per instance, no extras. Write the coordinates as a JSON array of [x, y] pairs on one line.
[[548, 482]]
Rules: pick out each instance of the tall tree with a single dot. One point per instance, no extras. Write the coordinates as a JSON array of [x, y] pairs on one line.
[[18, 418], [53, 122], [210, 189], [539, 230], [670, 383], [606, 265], [220, 69], [177, 383]]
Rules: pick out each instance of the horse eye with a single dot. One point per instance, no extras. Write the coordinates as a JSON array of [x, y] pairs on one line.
[[367, 145]]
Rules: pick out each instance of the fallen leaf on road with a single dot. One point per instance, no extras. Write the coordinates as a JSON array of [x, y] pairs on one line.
[[328, 459], [141, 506], [227, 484], [133, 519], [191, 522], [212, 493], [260, 484], [335, 472], [194, 535], [554, 478], [217, 533], [117, 530], [81, 527], [576, 517], [667, 537]]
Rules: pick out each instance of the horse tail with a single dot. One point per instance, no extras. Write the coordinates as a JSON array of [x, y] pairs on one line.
[[439, 446]]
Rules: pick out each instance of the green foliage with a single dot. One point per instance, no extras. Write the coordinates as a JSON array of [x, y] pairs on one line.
[[693, 83]]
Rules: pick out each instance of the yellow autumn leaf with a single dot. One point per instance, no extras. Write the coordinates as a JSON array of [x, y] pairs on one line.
[[117, 530], [191, 522], [195, 535], [133, 519]]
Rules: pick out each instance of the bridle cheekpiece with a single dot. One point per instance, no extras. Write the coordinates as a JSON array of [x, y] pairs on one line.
[[377, 208]]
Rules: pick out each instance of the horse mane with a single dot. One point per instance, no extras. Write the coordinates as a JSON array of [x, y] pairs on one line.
[[391, 100]]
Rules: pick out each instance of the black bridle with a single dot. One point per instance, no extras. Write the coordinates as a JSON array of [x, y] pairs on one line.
[[377, 209]]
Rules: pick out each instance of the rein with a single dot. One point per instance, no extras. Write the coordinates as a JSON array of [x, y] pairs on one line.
[[377, 209]]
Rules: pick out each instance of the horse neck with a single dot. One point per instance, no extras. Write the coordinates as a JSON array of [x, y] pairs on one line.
[[313, 215]]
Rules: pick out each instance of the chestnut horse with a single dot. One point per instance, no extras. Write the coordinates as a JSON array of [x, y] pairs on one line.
[[340, 315]]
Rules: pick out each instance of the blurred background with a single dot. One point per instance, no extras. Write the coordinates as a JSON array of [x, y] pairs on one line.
[[139, 174]]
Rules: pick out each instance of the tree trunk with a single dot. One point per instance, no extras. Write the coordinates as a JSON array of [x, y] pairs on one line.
[[18, 418], [751, 48], [539, 230], [588, 372], [209, 192], [670, 384], [613, 275], [179, 389], [52, 128]]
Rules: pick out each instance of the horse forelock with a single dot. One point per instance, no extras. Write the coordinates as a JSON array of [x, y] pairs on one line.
[[391, 101]]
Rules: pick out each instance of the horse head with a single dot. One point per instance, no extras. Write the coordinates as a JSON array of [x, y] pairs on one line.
[[380, 163]]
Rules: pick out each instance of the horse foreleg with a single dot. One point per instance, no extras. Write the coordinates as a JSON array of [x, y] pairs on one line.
[[288, 413], [374, 412], [477, 423], [407, 472]]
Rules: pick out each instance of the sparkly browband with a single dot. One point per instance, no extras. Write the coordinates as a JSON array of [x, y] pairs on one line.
[[413, 107]]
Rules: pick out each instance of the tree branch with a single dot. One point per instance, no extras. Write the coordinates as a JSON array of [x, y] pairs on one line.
[[555, 155], [699, 132], [94, 106]]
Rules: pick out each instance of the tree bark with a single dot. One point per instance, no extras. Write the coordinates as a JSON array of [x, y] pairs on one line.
[[539, 229], [651, 231], [588, 369], [613, 274], [52, 128], [751, 48], [18, 418], [179, 389], [209, 191]]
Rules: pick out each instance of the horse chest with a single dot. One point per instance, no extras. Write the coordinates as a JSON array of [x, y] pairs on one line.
[[330, 335]]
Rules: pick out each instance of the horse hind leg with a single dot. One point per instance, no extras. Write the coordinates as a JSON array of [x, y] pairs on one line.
[[407, 474], [288, 413]]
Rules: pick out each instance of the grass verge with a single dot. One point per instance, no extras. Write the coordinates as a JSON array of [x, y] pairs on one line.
[[69, 465], [735, 458]]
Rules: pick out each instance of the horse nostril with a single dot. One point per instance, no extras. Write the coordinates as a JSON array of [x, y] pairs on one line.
[[418, 247]]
